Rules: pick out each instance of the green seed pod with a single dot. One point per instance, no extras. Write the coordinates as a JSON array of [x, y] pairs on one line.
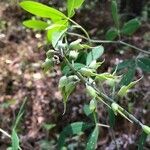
[[91, 91], [50, 53], [63, 81], [146, 129], [47, 65], [73, 55], [75, 45], [86, 72], [92, 105], [115, 107]]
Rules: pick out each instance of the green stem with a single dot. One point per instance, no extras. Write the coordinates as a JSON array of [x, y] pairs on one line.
[[77, 25], [112, 42], [102, 95]]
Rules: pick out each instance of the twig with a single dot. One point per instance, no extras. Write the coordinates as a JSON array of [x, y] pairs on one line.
[[102, 95], [5, 133], [113, 42]]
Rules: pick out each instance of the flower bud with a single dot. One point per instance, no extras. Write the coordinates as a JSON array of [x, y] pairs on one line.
[[146, 129], [73, 54]]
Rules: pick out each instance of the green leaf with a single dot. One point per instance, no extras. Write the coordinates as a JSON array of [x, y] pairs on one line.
[[128, 77], [130, 27], [56, 36], [55, 31], [15, 140], [72, 129], [42, 10], [35, 24], [77, 66], [125, 63], [144, 64], [114, 11], [142, 141], [111, 117], [92, 141], [111, 34], [94, 54], [72, 5]]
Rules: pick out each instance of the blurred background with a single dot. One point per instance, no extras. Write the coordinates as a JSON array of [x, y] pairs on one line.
[[22, 52]]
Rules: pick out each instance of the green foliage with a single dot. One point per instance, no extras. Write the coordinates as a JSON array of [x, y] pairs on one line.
[[144, 64], [92, 141], [72, 5], [111, 34], [94, 54], [72, 129], [35, 24], [15, 140], [114, 11], [80, 63], [42, 10], [142, 141], [130, 27]]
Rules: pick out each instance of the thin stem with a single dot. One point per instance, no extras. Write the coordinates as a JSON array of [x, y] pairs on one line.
[[102, 95], [113, 42], [103, 125], [5, 133], [75, 23]]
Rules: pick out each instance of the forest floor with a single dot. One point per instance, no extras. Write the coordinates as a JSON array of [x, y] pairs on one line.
[[21, 75]]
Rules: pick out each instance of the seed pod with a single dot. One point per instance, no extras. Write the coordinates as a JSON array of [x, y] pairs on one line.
[[115, 107], [91, 91], [92, 105], [86, 72], [48, 64], [146, 129], [75, 45], [73, 55], [50, 53], [63, 81]]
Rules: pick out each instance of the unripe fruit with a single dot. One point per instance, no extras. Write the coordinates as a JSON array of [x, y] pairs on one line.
[[47, 64], [115, 107], [63, 81], [76, 44], [91, 91], [50, 53], [86, 72], [146, 129]]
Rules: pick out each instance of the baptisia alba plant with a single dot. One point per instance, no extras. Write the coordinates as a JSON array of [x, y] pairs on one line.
[[80, 61]]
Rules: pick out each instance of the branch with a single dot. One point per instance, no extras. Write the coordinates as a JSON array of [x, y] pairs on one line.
[[113, 42], [102, 95]]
